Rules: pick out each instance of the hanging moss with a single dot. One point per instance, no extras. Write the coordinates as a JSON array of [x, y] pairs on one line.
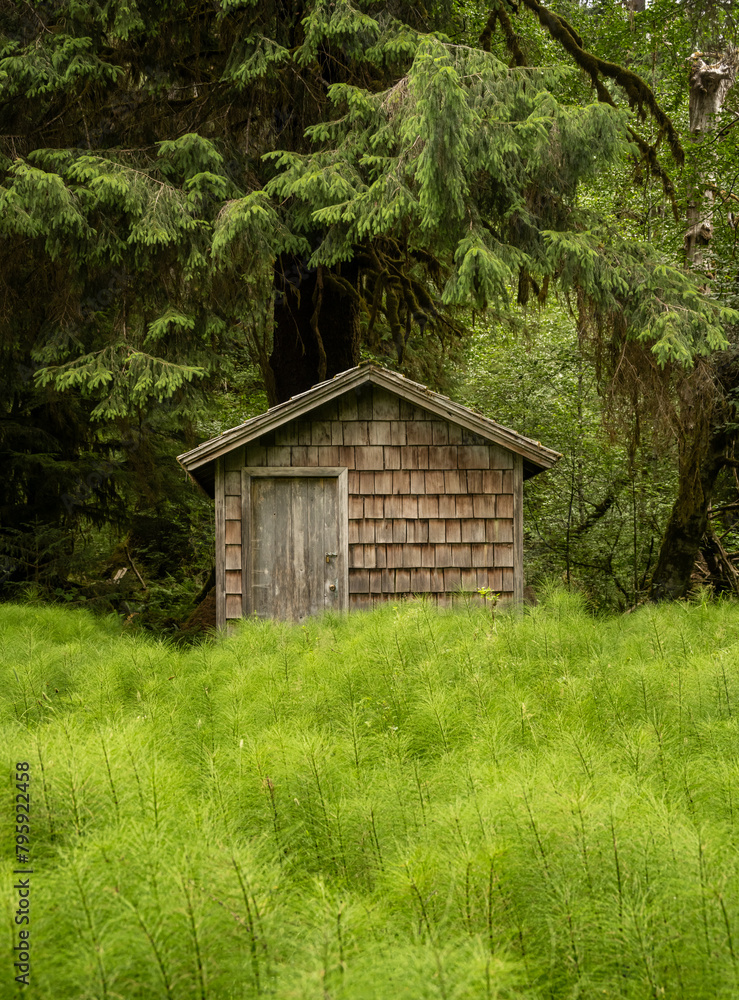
[[499, 14]]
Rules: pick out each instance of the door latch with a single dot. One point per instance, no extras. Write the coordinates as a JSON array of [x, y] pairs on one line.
[[330, 556]]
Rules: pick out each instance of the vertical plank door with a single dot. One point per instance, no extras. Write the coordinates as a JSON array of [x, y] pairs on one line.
[[296, 562]]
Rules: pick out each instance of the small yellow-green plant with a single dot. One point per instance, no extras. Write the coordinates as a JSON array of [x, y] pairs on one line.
[[402, 804]]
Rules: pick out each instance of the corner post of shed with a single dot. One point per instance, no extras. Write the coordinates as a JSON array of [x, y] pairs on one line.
[[518, 531], [220, 492]]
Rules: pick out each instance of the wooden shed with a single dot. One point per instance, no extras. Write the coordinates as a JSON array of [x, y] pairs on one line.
[[369, 487]]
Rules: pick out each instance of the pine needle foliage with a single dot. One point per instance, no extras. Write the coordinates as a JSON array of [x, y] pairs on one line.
[[213, 146], [407, 802], [185, 189]]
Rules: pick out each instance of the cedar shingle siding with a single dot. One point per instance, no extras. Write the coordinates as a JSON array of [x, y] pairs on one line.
[[432, 508]]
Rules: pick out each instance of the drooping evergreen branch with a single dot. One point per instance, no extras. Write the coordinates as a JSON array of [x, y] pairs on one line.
[[639, 93]]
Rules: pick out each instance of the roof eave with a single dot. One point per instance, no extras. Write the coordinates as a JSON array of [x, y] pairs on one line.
[[537, 458], [270, 420]]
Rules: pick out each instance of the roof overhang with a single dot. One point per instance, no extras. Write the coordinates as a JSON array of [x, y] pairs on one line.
[[200, 461]]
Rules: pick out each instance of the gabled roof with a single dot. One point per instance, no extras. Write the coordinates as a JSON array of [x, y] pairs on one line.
[[200, 461]]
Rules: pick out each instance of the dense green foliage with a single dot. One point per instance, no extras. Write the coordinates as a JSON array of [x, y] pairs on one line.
[[207, 207], [595, 520], [404, 803]]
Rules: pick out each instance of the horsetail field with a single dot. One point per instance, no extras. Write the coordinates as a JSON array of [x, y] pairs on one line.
[[404, 803]]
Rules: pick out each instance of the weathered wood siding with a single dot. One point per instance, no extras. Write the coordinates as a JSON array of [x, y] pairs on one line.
[[433, 507]]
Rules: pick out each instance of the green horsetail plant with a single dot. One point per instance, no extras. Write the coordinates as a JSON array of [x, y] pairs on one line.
[[214, 826]]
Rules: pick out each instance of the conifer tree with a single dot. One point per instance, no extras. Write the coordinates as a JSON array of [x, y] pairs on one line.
[[185, 184]]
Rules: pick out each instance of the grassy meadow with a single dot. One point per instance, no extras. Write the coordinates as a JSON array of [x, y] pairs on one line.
[[401, 804]]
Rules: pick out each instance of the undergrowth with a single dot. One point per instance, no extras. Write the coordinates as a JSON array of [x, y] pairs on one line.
[[400, 804]]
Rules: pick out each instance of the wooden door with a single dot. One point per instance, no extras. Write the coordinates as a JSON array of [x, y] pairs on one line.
[[296, 551]]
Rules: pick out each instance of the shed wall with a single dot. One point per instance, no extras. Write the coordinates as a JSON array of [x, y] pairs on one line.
[[433, 507]]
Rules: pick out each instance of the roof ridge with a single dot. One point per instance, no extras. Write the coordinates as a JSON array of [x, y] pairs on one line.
[[534, 453]]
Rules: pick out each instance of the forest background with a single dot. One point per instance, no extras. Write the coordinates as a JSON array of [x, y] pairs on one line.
[[208, 207]]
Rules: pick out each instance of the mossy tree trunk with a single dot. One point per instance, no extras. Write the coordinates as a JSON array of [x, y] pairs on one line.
[[702, 457], [704, 439], [316, 326], [709, 87]]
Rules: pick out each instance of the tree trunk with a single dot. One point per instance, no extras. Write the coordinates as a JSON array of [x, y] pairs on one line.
[[701, 460], [316, 326], [709, 86], [705, 438]]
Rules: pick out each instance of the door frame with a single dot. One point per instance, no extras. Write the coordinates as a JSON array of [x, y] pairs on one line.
[[339, 473]]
